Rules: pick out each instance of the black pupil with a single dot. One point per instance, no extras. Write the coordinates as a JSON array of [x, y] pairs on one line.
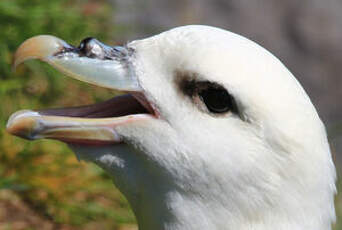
[[216, 100]]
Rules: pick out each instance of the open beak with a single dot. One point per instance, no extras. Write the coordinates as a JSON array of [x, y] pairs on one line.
[[92, 62]]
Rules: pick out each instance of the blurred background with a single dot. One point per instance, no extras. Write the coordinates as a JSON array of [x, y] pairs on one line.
[[42, 186]]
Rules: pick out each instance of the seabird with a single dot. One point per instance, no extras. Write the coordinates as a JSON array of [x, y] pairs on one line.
[[213, 132]]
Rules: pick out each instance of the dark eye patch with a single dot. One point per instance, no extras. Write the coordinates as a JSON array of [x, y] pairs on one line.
[[215, 97]]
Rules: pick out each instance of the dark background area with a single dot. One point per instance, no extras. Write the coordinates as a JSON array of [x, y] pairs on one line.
[[42, 186]]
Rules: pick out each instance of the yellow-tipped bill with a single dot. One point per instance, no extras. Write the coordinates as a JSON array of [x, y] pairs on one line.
[[92, 62], [39, 47], [32, 125]]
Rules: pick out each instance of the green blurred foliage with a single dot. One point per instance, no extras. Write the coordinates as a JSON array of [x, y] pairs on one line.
[[45, 173]]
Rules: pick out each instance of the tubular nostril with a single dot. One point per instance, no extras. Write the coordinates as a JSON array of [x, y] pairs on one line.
[[84, 43], [90, 47]]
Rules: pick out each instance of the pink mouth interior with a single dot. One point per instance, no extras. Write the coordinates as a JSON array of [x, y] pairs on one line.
[[115, 107]]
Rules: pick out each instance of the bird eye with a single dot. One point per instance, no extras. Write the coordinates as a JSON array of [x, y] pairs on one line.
[[208, 96], [217, 99]]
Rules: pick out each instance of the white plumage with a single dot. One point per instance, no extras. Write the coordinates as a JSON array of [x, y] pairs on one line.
[[266, 167]]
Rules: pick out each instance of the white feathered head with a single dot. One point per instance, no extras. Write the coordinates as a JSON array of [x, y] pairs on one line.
[[214, 133]]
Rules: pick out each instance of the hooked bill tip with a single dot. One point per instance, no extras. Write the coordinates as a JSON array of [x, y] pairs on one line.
[[38, 47], [22, 123]]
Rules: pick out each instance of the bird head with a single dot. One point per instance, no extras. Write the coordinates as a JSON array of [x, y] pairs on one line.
[[214, 131]]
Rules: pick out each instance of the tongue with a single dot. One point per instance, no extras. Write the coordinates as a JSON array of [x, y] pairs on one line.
[[115, 107]]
